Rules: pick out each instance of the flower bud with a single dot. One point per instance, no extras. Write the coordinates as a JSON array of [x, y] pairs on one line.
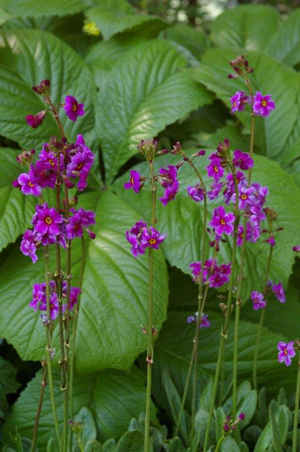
[[177, 149], [43, 88], [36, 120]]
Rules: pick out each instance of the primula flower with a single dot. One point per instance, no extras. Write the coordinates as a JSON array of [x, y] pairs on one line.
[[196, 193], [80, 162], [134, 181], [296, 248], [72, 108], [238, 101], [214, 274], [286, 352], [29, 245], [27, 184], [242, 160], [169, 194], [263, 105], [245, 196], [152, 238], [215, 190], [271, 241], [204, 323], [47, 220], [258, 300], [168, 176], [278, 291], [215, 170], [44, 174], [134, 237], [222, 222], [80, 220], [36, 120]]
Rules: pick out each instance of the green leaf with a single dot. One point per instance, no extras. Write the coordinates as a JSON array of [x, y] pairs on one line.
[[8, 383], [275, 433], [134, 108], [109, 445], [15, 209], [201, 419], [85, 417], [269, 77], [115, 16], [93, 446], [192, 41], [52, 445], [229, 445], [285, 43], [176, 445], [241, 27], [131, 442], [27, 57], [281, 418], [220, 419], [114, 298], [31, 8], [181, 221], [114, 397]]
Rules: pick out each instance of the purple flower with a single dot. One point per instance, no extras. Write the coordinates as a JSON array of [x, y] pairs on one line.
[[169, 194], [72, 108], [39, 299], [238, 101], [196, 193], [134, 181], [29, 245], [263, 105], [296, 248], [44, 174], [222, 222], [242, 160], [215, 190], [134, 237], [278, 291], [204, 323], [258, 300], [215, 170], [230, 189], [286, 352], [47, 220], [74, 295], [245, 196], [168, 176], [80, 220], [271, 241], [80, 162], [27, 184], [152, 238], [36, 120]]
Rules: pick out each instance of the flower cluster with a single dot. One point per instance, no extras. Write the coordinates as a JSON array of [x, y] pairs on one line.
[[204, 322], [214, 275], [51, 227], [259, 299], [230, 425], [142, 236], [261, 105], [39, 298], [169, 181]]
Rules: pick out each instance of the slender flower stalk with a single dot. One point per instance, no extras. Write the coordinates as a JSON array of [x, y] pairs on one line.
[[150, 314], [39, 408], [296, 414], [227, 313]]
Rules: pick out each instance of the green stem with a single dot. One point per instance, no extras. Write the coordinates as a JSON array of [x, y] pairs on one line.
[[218, 448], [39, 409], [150, 316], [49, 345], [296, 415], [261, 321], [225, 326]]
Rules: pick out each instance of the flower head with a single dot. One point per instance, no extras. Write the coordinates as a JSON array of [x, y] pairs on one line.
[[134, 237], [28, 185], [169, 194], [286, 352], [134, 181], [258, 300], [79, 221], [278, 291], [29, 245], [47, 220], [263, 105], [215, 190], [196, 193], [215, 170], [296, 248], [152, 238], [72, 108], [242, 160], [80, 162], [238, 101], [222, 222], [204, 322]]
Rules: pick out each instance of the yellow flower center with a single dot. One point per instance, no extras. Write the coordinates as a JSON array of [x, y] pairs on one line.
[[152, 241], [48, 220], [51, 162], [216, 169], [79, 166], [74, 107], [264, 103], [285, 351], [244, 196], [131, 181], [51, 305], [31, 184], [223, 221]]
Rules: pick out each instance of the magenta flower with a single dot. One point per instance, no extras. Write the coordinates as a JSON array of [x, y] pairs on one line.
[[263, 105], [44, 174], [215, 190], [72, 108], [278, 291], [168, 176], [152, 238], [74, 295], [286, 352], [134, 237], [215, 170], [258, 300], [29, 245], [47, 220], [134, 181], [39, 299], [222, 222], [245, 196], [271, 241], [204, 323], [79, 221], [81, 160], [296, 248], [169, 193], [230, 189], [36, 120], [27, 184], [242, 160], [238, 101], [196, 193]]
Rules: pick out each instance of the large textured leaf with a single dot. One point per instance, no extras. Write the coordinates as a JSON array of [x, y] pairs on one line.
[[31, 8], [27, 57], [242, 27], [114, 299], [269, 77], [113, 397], [285, 43], [192, 41], [174, 347], [15, 208], [115, 16], [8, 383], [181, 220], [141, 98]]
